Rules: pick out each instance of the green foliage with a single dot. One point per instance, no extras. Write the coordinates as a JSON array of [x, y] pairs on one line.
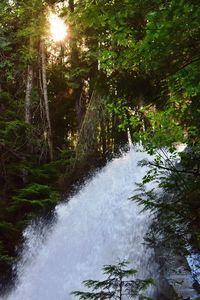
[[116, 285], [15, 133], [164, 130], [175, 202], [170, 31], [4, 258], [33, 196]]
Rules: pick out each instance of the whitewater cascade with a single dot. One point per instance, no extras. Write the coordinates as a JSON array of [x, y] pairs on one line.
[[97, 226]]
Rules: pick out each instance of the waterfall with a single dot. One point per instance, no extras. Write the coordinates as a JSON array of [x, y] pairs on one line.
[[97, 226]]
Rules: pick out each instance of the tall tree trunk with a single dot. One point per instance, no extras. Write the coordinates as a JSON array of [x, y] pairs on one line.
[[75, 62], [46, 101], [103, 138], [29, 86]]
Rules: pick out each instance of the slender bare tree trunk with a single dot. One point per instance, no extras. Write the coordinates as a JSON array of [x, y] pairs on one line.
[[29, 86], [46, 101], [75, 62], [103, 138]]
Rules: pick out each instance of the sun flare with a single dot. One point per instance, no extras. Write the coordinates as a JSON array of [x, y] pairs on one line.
[[58, 28]]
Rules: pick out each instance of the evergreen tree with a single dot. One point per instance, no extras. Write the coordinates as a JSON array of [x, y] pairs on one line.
[[117, 285]]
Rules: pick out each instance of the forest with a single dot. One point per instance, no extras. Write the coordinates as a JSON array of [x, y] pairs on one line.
[[71, 98]]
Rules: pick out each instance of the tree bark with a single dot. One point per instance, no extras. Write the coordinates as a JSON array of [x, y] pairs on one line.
[[29, 86], [75, 62], [103, 138], [46, 101]]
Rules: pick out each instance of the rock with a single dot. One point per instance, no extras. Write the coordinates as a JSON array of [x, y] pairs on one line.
[[176, 281]]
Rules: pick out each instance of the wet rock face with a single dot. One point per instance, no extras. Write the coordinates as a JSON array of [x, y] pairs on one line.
[[176, 281], [182, 282]]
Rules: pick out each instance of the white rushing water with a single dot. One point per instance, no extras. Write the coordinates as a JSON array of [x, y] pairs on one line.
[[98, 226]]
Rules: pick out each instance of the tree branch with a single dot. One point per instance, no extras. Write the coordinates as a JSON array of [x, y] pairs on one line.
[[174, 170]]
